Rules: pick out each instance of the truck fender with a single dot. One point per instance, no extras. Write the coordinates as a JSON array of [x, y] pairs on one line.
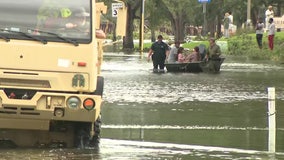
[[100, 86]]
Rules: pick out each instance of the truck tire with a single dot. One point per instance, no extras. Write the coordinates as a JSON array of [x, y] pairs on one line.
[[82, 135]]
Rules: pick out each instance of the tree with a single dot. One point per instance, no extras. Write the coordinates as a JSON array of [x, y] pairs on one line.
[[179, 14], [154, 17], [132, 7], [183, 13]]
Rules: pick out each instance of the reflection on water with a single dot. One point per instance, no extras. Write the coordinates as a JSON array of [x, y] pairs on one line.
[[150, 150]]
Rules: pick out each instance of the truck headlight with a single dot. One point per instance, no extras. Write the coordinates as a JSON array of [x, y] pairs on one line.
[[73, 102]]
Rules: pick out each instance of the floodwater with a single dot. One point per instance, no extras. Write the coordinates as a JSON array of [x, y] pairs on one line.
[[181, 116]]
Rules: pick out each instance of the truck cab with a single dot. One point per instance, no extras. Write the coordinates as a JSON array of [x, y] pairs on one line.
[[50, 83]]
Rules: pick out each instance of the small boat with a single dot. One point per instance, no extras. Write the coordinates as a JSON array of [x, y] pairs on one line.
[[196, 67]]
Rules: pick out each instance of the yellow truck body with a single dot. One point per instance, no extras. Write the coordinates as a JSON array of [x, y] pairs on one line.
[[50, 84]]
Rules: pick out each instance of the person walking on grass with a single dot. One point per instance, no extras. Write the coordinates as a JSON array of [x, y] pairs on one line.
[[231, 25], [269, 13], [259, 29], [271, 33], [226, 25]]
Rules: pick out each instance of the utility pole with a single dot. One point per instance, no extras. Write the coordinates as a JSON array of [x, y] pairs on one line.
[[141, 37], [204, 27], [204, 19]]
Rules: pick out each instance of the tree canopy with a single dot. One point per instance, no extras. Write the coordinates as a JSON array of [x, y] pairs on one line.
[[177, 15]]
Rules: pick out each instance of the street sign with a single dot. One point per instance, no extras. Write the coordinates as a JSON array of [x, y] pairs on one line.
[[204, 1], [115, 8]]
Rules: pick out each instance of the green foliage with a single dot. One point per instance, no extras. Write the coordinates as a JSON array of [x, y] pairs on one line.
[[244, 44], [153, 14], [192, 44], [240, 44], [175, 15]]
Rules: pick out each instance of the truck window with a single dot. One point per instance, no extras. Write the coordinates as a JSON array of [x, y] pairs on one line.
[[46, 20]]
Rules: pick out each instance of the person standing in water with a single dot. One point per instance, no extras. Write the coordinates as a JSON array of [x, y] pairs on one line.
[[159, 51]]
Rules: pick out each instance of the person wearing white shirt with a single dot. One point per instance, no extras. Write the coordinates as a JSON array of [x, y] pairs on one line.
[[259, 29], [271, 33], [173, 53], [268, 14], [230, 22]]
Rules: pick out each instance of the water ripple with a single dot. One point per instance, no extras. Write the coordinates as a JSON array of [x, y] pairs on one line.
[[130, 80], [177, 127]]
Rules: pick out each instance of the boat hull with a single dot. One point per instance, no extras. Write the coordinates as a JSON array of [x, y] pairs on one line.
[[196, 67]]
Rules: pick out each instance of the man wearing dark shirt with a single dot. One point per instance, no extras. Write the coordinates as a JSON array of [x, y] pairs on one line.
[[159, 52]]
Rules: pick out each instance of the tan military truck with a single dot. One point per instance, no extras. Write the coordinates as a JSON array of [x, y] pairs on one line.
[[50, 84]]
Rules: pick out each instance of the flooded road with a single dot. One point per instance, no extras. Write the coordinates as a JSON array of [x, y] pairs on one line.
[[227, 110], [137, 150], [181, 116]]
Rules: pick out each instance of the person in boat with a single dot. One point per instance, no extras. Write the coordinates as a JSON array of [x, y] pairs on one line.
[[181, 57], [158, 52], [173, 53], [194, 56], [213, 55]]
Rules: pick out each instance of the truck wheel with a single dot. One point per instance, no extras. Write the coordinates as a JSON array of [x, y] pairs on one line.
[[97, 137], [82, 135]]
